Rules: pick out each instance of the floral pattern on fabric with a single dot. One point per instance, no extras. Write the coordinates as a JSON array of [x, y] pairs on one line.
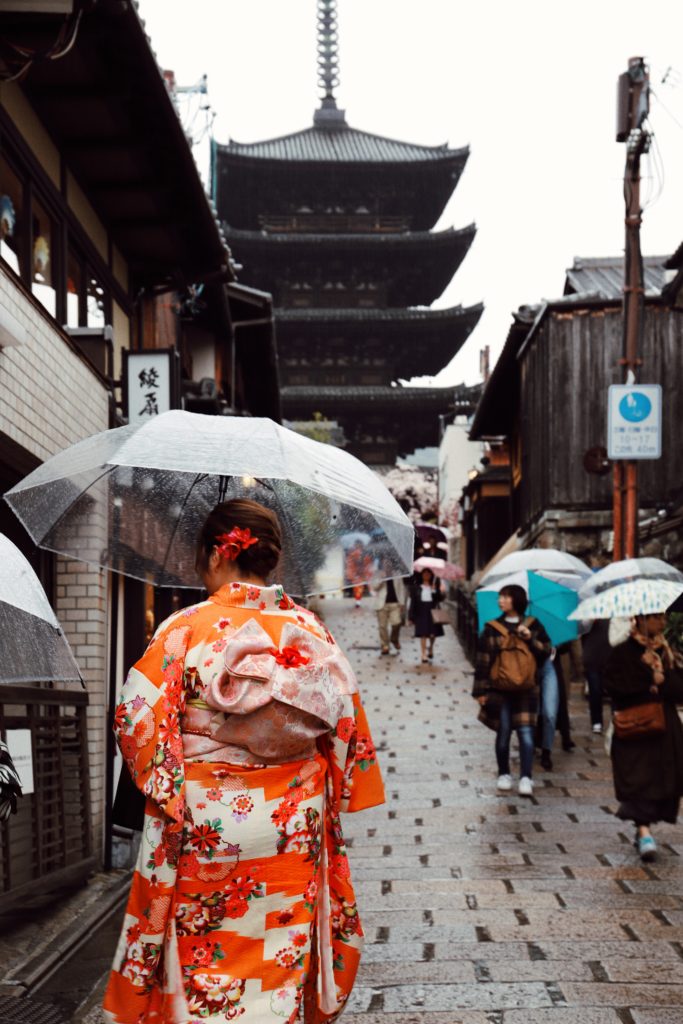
[[241, 865]]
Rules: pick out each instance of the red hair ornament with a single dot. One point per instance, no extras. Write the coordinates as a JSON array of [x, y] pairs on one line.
[[231, 545]]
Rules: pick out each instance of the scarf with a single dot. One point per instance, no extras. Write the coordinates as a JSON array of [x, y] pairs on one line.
[[663, 656]]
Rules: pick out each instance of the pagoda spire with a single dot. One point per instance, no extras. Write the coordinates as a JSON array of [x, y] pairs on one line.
[[328, 116]]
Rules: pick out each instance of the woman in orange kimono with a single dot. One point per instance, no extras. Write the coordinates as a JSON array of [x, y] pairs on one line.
[[242, 725]]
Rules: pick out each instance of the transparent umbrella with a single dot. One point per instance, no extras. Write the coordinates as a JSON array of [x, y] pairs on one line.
[[133, 499], [548, 562], [34, 648]]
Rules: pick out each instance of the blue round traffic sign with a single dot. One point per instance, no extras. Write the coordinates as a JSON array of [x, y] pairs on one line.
[[635, 407]]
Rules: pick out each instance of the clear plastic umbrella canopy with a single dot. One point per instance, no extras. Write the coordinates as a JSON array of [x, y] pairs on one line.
[[34, 648], [133, 499], [548, 562]]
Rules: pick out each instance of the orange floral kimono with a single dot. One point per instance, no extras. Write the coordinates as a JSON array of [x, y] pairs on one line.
[[242, 725]]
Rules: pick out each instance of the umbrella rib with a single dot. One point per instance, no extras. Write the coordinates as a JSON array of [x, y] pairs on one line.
[[198, 477], [107, 469]]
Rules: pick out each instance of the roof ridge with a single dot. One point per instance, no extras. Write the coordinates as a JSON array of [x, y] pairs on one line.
[[340, 130], [381, 237]]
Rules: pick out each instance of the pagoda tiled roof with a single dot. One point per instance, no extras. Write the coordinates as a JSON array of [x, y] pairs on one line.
[[356, 240], [420, 315], [460, 396], [341, 144]]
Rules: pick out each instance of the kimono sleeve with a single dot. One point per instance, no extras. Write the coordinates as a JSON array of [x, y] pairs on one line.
[[147, 720], [355, 777]]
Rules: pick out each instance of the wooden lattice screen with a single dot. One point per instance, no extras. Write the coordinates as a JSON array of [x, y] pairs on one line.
[[48, 843]]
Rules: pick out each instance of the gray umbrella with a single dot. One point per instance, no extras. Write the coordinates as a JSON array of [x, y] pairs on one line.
[[34, 648]]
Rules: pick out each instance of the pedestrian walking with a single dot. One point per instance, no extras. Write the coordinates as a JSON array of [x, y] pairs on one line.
[[389, 601], [596, 652], [563, 672], [359, 566], [243, 727], [644, 678], [426, 596], [550, 704], [511, 649]]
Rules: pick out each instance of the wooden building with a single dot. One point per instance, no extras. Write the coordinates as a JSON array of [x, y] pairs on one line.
[[108, 243], [337, 224], [547, 396]]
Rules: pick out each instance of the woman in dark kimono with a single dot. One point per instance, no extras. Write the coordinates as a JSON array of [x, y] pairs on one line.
[[648, 770]]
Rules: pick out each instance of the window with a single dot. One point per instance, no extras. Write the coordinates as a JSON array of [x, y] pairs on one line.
[[95, 315], [11, 217], [74, 289], [71, 283], [42, 234]]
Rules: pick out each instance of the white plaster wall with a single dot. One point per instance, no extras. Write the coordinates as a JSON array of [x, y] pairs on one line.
[[457, 455]]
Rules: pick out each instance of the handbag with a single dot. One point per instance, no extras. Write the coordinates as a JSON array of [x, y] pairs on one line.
[[641, 720], [441, 616]]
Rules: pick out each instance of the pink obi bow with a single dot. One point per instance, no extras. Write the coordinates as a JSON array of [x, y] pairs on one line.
[[304, 673]]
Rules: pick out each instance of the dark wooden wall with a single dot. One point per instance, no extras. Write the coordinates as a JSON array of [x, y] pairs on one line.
[[565, 373]]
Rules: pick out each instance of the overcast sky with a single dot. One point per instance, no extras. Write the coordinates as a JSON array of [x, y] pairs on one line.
[[529, 85]]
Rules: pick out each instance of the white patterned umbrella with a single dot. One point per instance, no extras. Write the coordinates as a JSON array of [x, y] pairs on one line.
[[627, 569], [636, 597]]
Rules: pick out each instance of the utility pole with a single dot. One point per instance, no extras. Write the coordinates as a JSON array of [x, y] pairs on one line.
[[633, 102]]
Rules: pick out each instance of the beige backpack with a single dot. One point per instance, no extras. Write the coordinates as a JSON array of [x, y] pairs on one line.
[[515, 666]]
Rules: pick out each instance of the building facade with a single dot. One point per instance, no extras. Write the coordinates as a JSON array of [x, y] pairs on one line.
[[108, 245], [547, 397]]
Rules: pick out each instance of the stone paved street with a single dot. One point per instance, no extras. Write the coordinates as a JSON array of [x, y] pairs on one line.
[[487, 909], [479, 908]]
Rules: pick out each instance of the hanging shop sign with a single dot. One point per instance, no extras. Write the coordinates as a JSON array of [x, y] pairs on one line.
[[150, 383]]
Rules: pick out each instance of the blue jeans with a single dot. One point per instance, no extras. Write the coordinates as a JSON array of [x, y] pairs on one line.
[[525, 738], [594, 680], [550, 703]]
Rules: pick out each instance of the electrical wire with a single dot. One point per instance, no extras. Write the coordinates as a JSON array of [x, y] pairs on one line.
[[62, 45]]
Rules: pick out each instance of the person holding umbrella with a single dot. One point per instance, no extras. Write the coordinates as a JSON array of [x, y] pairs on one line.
[[243, 727], [511, 649], [644, 678], [425, 597]]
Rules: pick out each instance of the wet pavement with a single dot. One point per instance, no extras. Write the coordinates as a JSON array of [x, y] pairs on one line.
[[480, 908]]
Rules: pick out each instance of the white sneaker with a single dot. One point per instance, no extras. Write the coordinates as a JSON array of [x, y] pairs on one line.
[[597, 729], [504, 783], [526, 786]]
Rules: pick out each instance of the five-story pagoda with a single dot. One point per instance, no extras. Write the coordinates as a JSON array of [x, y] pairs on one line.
[[337, 224]]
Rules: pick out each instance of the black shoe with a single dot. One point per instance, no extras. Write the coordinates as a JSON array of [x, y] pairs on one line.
[[568, 744], [546, 761]]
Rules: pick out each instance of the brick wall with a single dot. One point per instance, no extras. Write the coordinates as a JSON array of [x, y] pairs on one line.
[[50, 398]]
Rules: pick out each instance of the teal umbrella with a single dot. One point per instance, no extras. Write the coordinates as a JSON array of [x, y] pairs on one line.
[[549, 602]]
